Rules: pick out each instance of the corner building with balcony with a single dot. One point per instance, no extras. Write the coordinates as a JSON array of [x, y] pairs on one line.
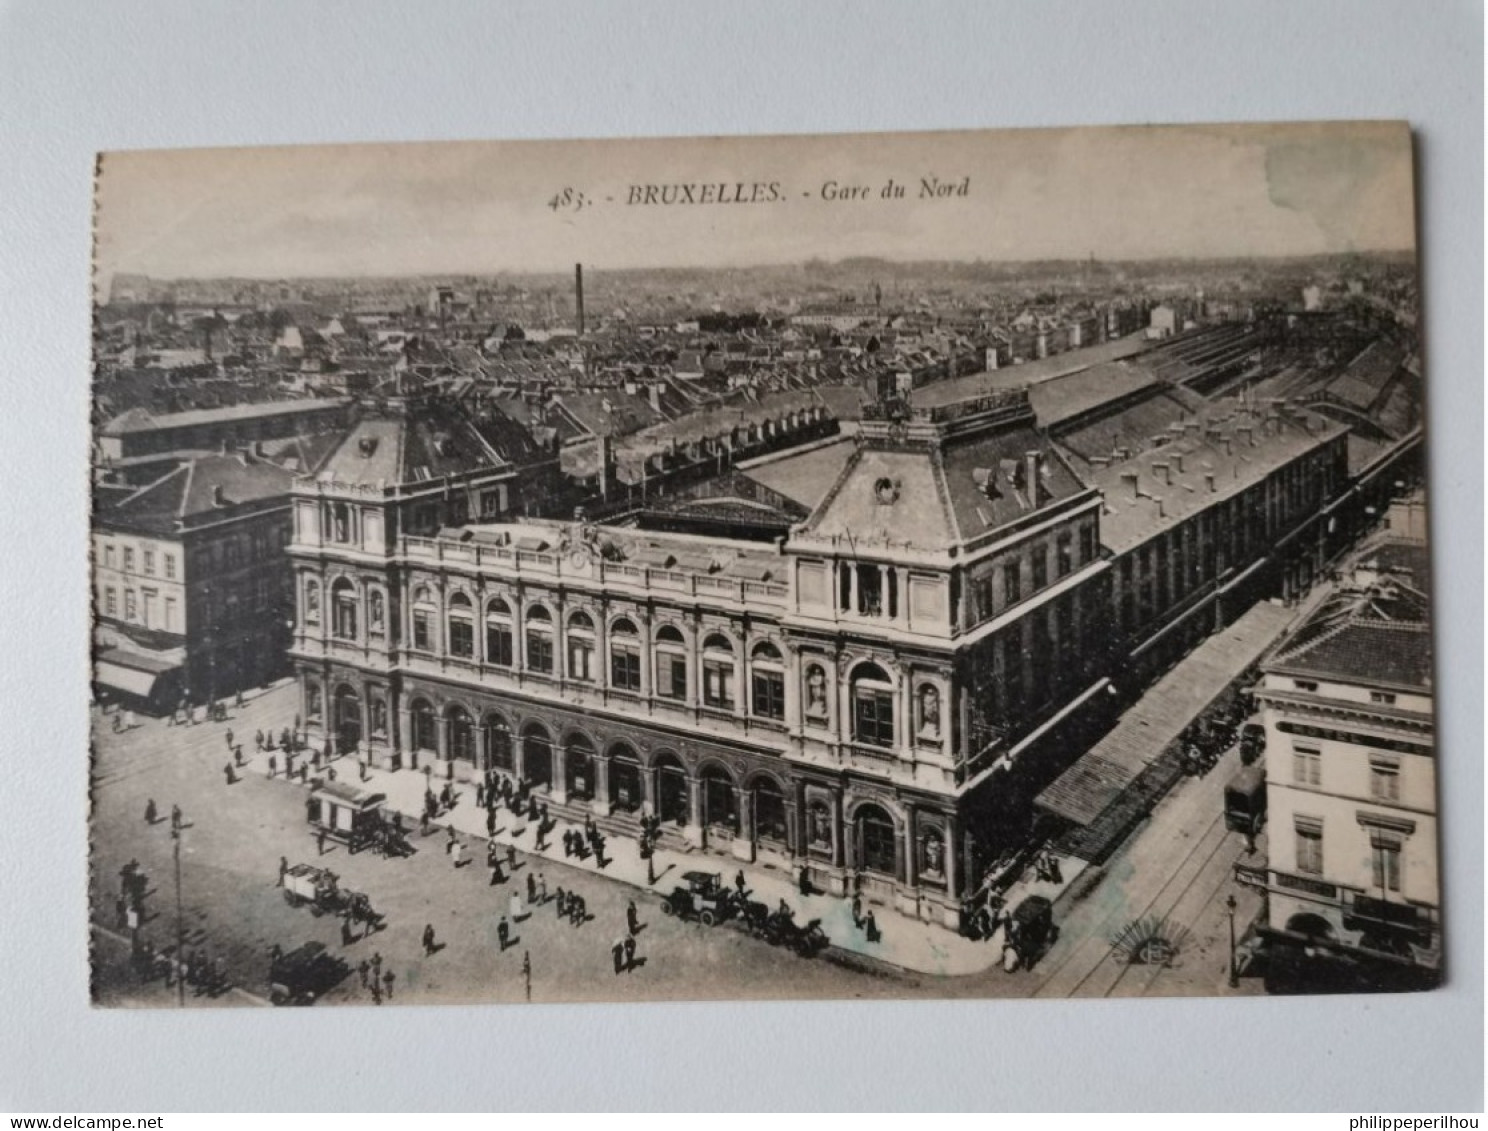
[[860, 697]]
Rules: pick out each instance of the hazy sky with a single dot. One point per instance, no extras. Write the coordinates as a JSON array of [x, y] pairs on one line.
[[431, 208]]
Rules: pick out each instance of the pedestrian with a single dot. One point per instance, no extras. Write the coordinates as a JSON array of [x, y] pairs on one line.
[[857, 910], [803, 882], [580, 911], [227, 771], [514, 906], [511, 858], [362, 969], [567, 843], [560, 902], [387, 980], [490, 822], [496, 875], [304, 772], [424, 823], [541, 843], [315, 760], [376, 991], [151, 813], [428, 939], [630, 949], [870, 928], [531, 888], [320, 839], [542, 888], [480, 795], [503, 932], [739, 884], [273, 765], [632, 918], [289, 763], [617, 951], [229, 738], [283, 869], [376, 966], [238, 755], [258, 740], [457, 853], [175, 818]]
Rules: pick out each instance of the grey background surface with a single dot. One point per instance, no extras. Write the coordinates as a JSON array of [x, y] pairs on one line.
[[77, 77]]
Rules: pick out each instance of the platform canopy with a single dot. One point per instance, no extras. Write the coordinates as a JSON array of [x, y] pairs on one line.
[[1084, 791]]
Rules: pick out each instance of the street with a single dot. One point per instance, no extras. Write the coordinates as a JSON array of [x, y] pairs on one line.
[[232, 907]]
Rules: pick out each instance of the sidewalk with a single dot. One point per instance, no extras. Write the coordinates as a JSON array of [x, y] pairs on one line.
[[905, 942]]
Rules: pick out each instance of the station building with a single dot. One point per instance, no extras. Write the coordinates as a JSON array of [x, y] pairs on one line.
[[869, 691]]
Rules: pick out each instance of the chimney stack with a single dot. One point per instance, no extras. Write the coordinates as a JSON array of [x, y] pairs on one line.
[[218, 498], [1160, 469], [579, 295], [1032, 460], [1209, 479], [1136, 482], [1177, 458]]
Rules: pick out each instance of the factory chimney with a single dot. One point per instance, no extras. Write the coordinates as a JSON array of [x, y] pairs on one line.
[[579, 296]]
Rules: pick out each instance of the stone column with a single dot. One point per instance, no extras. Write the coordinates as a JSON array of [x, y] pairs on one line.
[[601, 802], [952, 857], [694, 830], [839, 832], [649, 802], [404, 741], [558, 760], [519, 751], [744, 841]]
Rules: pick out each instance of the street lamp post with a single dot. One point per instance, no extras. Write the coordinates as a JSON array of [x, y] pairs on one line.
[[180, 922], [1234, 969]]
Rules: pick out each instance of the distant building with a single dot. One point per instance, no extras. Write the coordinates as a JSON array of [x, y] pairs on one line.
[[1165, 322], [1351, 774], [1312, 298], [138, 432]]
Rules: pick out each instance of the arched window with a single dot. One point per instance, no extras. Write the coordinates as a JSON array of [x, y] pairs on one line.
[[461, 734], [423, 619], [719, 808], [539, 640], [767, 681], [496, 733], [581, 647], [424, 725], [376, 612], [578, 768], [344, 610], [671, 663], [625, 778], [873, 706], [312, 601], [769, 811], [875, 833], [625, 655], [718, 672], [461, 628], [499, 637]]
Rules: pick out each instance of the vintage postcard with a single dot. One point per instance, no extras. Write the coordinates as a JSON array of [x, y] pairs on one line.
[[975, 564]]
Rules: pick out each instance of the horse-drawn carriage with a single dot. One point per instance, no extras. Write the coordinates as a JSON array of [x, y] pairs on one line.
[[779, 927], [320, 889]]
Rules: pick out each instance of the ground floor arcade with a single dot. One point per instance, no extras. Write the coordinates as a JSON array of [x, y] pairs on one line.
[[902, 847]]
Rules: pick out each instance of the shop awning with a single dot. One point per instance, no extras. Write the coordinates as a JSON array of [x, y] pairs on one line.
[[130, 674]]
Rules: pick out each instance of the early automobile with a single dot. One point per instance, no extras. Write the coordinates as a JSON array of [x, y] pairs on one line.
[[1030, 932], [1252, 742], [302, 975], [700, 896], [1245, 801], [345, 813]]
